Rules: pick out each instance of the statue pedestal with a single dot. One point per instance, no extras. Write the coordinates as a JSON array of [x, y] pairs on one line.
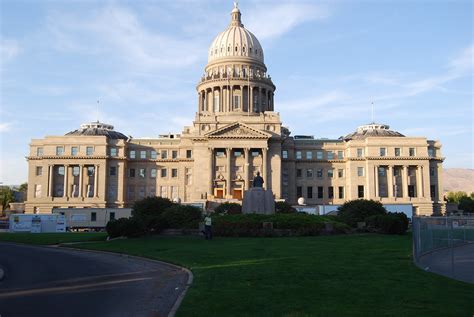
[[258, 201]]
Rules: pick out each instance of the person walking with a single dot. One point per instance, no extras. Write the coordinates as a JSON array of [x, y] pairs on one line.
[[208, 226]]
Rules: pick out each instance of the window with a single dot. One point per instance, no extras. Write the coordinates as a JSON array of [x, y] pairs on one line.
[[330, 155], [299, 172], [383, 151], [39, 151], [319, 173], [216, 103], [330, 192], [382, 171], [59, 150], [131, 172], [143, 155], [89, 150], [153, 173], [90, 170], [309, 155], [309, 173], [142, 172], [330, 173], [397, 151], [153, 155], [340, 155], [236, 102], [341, 192], [432, 171], [113, 151], [132, 154], [164, 154], [411, 191], [340, 173], [164, 172], [237, 153], [360, 191], [299, 191], [75, 170], [309, 192], [174, 154], [113, 171], [174, 172], [411, 151], [360, 152], [284, 154], [189, 154], [255, 153], [298, 155], [433, 191], [61, 170], [37, 191], [39, 170], [112, 216], [93, 216], [74, 150], [431, 152], [319, 155], [320, 192], [360, 171]]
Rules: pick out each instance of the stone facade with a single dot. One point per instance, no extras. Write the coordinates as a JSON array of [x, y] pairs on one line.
[[235, 134]]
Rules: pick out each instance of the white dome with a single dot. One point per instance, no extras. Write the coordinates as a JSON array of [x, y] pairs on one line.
[[236, 41]]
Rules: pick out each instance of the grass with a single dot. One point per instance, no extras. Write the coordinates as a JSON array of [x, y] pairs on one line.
[[52, 238]]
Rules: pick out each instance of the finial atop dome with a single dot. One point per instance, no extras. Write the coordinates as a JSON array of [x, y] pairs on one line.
[[236, 21]]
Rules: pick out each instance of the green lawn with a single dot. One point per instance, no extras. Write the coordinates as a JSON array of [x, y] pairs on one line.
[[346, 275], [52, 238]]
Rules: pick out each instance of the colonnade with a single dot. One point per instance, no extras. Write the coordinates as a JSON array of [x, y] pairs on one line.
[[67, 190], [420, 178]]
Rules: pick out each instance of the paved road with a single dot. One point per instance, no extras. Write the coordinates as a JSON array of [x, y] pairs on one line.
[[441, 262], [41, 281]]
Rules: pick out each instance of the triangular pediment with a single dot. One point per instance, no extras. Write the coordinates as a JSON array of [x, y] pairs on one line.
[[238, 131]]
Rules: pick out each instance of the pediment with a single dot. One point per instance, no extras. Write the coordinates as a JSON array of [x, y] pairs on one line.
[[238, 131]]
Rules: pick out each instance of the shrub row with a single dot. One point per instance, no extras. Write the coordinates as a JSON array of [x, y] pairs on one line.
[[390, 223]]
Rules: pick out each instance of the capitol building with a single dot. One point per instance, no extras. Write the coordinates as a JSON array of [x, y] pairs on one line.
[[237, 132]]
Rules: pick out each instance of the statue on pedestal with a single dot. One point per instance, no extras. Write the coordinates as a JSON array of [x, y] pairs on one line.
[[258, 181], [258, 200]]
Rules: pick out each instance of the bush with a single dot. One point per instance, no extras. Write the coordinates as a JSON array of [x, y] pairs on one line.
[[149, 210], [355, 211], [229, 208], [467, 205], [125, 227], [391, 223], [181, 217], [282, 207]]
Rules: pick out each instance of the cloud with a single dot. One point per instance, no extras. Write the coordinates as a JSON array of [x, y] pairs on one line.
[[9, 49], [5, 126]]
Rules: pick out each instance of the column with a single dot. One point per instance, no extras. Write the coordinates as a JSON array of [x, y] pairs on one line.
[[65, 189], [221, 98], [231, 97], [247, 169], [405, 181], [228, 172], [81, 176], [210, 190], [376, 178], [200, 101], [251, 99], [390, 181], [96, 180], [50, 180], [419, 182], [241, 98], [264, 168]]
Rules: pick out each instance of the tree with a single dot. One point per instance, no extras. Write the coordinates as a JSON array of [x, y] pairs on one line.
[[6, 196], [149, 210], [24, 190], [354, 211], [282, 207], [467, 205], [455, 197]]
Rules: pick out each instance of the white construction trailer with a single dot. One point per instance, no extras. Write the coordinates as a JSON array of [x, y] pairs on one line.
[[93, 219]]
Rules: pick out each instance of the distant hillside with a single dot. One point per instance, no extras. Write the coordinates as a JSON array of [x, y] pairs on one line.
[[458, 179]]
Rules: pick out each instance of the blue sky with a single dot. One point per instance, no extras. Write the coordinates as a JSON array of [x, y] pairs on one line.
[[142, 60]]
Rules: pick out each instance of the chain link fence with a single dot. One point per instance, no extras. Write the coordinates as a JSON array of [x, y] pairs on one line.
[[445, 245]]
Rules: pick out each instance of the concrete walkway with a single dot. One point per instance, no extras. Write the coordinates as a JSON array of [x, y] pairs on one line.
[[456, 263], [45, 281]]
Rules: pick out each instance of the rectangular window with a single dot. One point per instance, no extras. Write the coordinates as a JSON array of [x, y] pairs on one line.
[[284, 154], [112, 216], [39, 151], [319, 155], [309, 173], [309, 192], [216, 103], [113, 151], [113, 171], [432, 171], [382, 171], [153, 173], [360, 171], [383, 151], [330, 173], [164, 154], [319, 173], [142, 155], [330, 192], [340, 155], [360, 152], [236, 102], [309, 155], [433, 191], [174, 172], [431, 152], [153, 155], [142, 172], [61, 170], [74, 150], [189, 154], [89, 150], [255, 153], [411, 151], [237, 153], [174, 154], [411, 191], [39, 170], [298, 155], [220, 153], [131, 172], [340, 173], [299, 191], [164, 172], [320, 192], [299, 172], [132, 154], [93, 216], [341, 192], [330, 155], [59, 150], [75, 170], [397, 151], [360, 191]]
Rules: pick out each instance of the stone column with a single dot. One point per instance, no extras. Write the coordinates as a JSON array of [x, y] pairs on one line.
[[405, 181], [210, 190], [96, 180], [390, 181], [231, 97], [81, 183], [50, 180], [419, 181], [200, 101], [221, 98], [264, 168], [65, 189], [229, 172], [247, 169], [376, 178], [251, 99]]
